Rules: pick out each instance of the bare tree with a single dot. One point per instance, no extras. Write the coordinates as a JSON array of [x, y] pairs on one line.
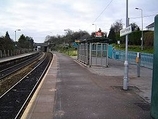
[[117, 26], [135, 27]]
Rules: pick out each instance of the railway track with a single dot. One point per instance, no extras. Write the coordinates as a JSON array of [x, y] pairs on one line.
[[13, 62], [14, 101], [16, 70], [13, 68]]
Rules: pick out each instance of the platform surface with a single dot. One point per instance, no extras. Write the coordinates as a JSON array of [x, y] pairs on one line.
[[71, 90], [5, 59], [42, 102]]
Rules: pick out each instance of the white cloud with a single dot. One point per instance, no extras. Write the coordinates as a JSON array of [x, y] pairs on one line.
[[39, 18]]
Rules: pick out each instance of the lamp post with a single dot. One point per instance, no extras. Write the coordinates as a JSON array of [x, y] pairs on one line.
[[15, 34], [66, 30], [142, 27], [95, 27], [67, 43]]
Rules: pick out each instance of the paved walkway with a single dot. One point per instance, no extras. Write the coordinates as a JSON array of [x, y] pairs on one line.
[[116, 69], [78, 92]]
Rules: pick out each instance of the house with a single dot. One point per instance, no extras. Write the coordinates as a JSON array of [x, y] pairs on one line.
[[150, 27]]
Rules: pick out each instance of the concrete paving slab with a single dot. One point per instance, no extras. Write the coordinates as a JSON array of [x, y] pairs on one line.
[[78, 92], [90, 93], [116, 68]]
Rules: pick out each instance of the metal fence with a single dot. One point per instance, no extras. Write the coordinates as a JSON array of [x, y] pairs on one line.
[[146, 59], [96, 54]]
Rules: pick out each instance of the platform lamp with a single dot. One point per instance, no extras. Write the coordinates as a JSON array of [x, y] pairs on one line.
[[95, 27], [142, 26], [15, 35]]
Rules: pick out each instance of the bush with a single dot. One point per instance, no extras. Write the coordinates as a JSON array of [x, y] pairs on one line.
[[148, 38]]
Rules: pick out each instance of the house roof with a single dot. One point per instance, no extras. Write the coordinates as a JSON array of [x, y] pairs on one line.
[[150, 25]]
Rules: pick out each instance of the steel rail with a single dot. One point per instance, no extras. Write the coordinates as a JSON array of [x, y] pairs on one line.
[[32, 92], [22, 89], [10, 70]]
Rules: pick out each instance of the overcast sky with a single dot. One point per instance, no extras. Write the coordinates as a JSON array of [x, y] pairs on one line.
[[39, 18]]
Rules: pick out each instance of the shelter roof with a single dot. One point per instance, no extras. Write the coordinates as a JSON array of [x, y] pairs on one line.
[[40, 44], [150, 25]]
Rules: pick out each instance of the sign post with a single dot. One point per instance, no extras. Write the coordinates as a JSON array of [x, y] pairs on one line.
[[126, 31]]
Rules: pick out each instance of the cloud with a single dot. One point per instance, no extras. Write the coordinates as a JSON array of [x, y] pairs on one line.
[[39, 18]]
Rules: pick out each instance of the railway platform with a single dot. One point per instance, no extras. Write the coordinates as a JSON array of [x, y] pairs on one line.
[[70, 90], [42, 102], [5, 59]]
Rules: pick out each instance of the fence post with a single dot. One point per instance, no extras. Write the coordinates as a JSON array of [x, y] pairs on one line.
[[8, 53], [107, 56], [154, 97], [0, 53], [101, 53], [4, 53], [78, 51], [138, 61], [90, 54], [96, 55]]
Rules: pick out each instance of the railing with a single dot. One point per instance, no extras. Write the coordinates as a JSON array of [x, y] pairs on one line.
[[146, 59], [95, 54]]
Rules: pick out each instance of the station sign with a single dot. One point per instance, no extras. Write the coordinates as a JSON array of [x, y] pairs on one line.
[[98, 34], [77, 41], [126, 31]]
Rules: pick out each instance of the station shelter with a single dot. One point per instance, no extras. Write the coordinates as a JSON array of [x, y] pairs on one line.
[[94, 51]]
